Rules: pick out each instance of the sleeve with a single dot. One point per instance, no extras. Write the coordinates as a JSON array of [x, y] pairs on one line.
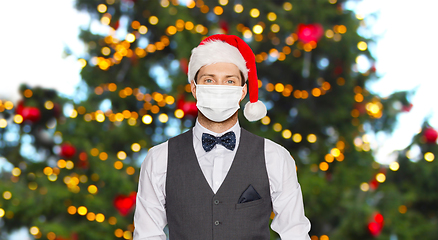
[[150, 213], [290, 221]]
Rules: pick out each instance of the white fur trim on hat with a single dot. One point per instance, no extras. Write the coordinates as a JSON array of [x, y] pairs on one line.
[[215, 52], [254, 111]]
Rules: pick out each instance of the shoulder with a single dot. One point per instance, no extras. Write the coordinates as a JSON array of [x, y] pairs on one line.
[[188, 132], [274, 151], [158, 149], [250, 136], [156, 159]]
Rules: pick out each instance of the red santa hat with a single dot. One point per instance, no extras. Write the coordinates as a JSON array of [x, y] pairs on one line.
[[230, 49]]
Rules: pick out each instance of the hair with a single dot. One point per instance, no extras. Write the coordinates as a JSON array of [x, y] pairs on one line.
[[243, 81]]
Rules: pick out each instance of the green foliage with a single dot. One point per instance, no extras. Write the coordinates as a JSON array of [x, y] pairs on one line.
[[331, 105]]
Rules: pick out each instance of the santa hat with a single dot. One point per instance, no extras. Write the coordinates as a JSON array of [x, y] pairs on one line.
[[230, 49]]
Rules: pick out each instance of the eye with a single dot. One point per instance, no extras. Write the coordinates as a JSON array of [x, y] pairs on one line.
[[230, 81], [208, 80]]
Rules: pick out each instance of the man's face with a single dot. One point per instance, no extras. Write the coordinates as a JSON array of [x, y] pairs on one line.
[[219, 74]]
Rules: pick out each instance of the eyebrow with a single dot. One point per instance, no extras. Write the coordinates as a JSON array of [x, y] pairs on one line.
[[213, 75]]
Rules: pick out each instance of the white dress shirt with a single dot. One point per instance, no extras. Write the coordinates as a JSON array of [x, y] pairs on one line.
[[150, 213]]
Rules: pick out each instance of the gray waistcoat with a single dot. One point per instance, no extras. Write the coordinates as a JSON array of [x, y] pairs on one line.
[[194, 212]]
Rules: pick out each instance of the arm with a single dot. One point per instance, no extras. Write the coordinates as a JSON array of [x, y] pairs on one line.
[[290, 221], [150, 213]]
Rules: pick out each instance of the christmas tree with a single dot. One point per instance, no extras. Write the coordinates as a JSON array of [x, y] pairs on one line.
[[75, 165]]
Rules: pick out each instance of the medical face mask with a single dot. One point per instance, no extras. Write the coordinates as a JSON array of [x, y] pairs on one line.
[[218, 102]]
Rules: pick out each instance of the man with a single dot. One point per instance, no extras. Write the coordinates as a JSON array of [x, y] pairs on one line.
[[218, 181]]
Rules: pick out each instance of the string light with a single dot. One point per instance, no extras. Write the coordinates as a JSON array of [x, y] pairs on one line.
[[112, 220], [106, 19], [324, 237], [311, 138], [254, 13], [323, 166], [100, 217], [101, 8], [91, 216], [238, 8], [380, 177], [364, 187], [297, 137], [153, 20], [82, 210], [429, 156], [92, 189], [7, 195], [218, 10], [191, 4], [277, 127], [223, 2], [34, 230], [257, 29], [286, 134], [118, 165], [3, 123], [362, 45], [118, 233], [272, 16], [287, 6], [402, 209], [394, 166], [265, 120], [275, 28], [329, 158]]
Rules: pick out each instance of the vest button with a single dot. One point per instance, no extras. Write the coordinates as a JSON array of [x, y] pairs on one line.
[[216, 202], [216, 223]]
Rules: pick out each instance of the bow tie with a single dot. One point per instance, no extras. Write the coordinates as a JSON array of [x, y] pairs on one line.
[[228, 140]]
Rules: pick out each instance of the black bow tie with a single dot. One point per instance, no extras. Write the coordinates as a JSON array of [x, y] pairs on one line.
[[228, 140]]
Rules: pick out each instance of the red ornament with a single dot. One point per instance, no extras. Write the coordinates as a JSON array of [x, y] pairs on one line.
[[56, 110], [67, 150], [30, 114], [115, 24], [338, 70], [134, 59], [189, 108], [430, 135], [19, 108], [83, 161], [374, 229], [184, 65], [310, 32], [376, 224], [374, 184], [407, 108], [124, 204], [361, 107], [224, 26]]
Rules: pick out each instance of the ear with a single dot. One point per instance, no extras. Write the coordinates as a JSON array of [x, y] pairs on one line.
[[244, 91], [193, 88]]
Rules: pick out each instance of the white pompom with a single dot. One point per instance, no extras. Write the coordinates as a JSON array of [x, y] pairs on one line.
[[254, 111]]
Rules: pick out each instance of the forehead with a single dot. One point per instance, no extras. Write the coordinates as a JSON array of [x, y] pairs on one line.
[[220, 68]]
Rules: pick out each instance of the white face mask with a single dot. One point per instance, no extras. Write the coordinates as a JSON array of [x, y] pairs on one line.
[[218, 102]]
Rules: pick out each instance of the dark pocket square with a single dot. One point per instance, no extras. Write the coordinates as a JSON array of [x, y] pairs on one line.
[[250, 194]]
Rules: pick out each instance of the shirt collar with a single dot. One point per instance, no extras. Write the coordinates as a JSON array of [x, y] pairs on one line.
[[198, 130]]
